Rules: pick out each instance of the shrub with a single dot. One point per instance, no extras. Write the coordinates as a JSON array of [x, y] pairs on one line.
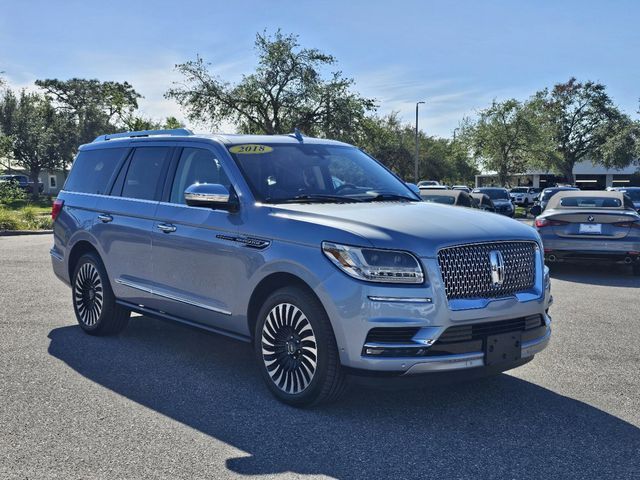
[[9, 220], [10, 192]]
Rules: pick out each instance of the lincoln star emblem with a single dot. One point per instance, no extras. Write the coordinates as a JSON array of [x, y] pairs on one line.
[[497, 267], [590, 218]]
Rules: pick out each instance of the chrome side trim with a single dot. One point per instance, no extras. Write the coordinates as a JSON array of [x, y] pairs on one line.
[[56, 255], [375, 298], [176, 298]]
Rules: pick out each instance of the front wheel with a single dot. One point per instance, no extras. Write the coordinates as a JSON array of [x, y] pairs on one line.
[[93, 300], [296, 349]]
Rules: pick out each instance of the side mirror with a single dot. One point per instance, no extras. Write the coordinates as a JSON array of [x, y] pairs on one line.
[[535, 210], [414, 188], [210, 195]]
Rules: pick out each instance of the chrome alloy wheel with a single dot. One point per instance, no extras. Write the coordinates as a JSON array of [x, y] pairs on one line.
[[289, 348], [88, 294]]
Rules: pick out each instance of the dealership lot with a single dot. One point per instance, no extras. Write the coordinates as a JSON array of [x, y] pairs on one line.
[[164, 401]]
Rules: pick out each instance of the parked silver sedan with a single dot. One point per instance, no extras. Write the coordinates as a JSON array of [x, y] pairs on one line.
[[592, 226]]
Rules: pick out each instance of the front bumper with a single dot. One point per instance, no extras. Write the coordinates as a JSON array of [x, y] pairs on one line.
[[355, 309], [475, 359]]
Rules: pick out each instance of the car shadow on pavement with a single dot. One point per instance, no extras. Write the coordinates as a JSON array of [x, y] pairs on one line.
[[502, 427], [602, 274]]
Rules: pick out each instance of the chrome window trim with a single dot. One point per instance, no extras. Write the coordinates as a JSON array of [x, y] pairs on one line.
[[176, 298]]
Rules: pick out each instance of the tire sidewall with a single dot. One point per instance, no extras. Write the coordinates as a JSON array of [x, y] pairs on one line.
[[319, 321], [107, 295]]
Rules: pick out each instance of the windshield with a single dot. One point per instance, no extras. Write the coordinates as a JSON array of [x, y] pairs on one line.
[[495, 193], [279, 173], [519, 190], [632, 194]]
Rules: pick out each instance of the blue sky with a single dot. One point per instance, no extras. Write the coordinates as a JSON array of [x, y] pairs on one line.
[[456, 55]]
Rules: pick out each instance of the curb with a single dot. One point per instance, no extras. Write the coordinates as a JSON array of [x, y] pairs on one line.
[[15, 233]]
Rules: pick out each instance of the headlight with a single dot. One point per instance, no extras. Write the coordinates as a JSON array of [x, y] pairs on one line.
[[373, 265]]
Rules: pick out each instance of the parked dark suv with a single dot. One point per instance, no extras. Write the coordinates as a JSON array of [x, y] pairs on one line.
[[309, 248], [23, 182]]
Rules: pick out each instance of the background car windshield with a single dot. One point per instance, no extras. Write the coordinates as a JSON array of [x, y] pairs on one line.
[[278, 172], [519, 190], [446, 199], [496, 194]]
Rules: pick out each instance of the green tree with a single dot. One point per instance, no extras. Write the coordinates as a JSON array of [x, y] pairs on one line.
[[95, 107], [506, 137], [40, 134], [288, 89], [585, 124]]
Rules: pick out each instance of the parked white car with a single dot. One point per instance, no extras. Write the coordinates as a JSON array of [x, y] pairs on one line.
[[524, 196]]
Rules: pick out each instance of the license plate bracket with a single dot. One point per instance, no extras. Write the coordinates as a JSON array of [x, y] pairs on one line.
[[503, 348]]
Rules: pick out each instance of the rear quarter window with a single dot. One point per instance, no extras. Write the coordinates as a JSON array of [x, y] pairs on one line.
[[92, 170]]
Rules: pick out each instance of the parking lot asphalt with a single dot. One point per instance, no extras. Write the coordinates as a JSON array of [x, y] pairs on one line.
[[165, 401]]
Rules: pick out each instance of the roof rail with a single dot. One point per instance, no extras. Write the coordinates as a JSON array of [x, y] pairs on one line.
[[178, 132]]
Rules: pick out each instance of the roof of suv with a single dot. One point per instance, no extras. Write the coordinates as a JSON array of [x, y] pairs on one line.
[[182, 134]]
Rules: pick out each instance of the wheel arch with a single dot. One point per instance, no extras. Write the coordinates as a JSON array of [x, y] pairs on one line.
[[266, 287], [80, 248]]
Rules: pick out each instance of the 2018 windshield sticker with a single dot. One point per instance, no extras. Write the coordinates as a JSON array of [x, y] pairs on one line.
[[251, 149]]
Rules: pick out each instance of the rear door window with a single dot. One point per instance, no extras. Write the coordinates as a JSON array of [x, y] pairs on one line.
[[146, 173], [92, 170]]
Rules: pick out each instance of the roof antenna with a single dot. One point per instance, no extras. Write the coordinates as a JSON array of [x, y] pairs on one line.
[[298, 135]]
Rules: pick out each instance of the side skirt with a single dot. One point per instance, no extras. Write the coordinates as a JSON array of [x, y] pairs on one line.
[[149, 312]]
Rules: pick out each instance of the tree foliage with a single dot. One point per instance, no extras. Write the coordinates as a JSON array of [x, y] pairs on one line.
[[584, 123], [39, 133], [95, 107], [393, 143], [507, 137], [287, 90]]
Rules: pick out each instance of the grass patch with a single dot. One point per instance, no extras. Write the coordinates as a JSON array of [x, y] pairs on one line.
[[28, 217]]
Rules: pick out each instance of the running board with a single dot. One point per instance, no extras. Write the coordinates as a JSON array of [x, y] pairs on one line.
[[172, 318]]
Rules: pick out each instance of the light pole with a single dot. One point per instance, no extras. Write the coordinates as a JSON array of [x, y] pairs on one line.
[[415, 167], [454, 133]]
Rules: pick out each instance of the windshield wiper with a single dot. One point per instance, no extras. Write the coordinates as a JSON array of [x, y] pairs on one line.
[[381, 197], [312, 198]]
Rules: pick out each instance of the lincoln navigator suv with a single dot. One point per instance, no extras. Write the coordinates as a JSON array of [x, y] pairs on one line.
[[309, 249]]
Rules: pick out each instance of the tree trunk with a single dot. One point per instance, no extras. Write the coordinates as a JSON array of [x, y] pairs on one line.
[[567, 171], [35, 184]]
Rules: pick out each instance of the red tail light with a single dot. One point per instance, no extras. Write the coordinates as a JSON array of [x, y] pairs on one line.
[[543, 222], [628, 224], [56, 208]]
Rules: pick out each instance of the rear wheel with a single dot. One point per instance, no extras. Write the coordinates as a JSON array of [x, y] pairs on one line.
[[296, 349], [93, 300]]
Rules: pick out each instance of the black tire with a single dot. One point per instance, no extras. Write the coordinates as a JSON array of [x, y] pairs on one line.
[[291, 325], [93, 300]]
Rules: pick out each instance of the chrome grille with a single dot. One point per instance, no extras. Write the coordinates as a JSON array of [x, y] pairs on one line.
[[466, 269]]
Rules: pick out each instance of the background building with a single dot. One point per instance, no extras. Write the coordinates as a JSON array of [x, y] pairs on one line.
[[587, 177]]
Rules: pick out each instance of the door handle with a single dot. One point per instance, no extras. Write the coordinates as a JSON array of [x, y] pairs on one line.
[[104, 218], [166, 228]]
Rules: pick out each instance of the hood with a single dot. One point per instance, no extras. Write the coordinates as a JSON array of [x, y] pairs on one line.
[[419, 227]]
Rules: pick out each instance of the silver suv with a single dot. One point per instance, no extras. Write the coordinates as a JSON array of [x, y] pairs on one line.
[[309, 249]]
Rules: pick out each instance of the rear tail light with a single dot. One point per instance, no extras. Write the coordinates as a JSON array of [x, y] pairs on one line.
[[56, 208], [635, 224], [543, 222]]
